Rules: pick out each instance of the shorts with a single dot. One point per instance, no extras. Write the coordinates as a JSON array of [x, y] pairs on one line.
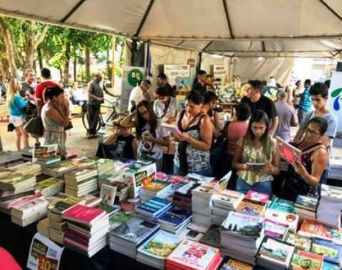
[[17, 121]]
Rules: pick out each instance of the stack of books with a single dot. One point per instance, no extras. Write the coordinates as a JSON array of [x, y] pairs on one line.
[[241, 236], [126, 238], [87, 229], [289, 219], [222, 203], [274, 229], [29, 212], [281, 205], [155, 250], [300, 242], [274, 254], [59, 169], [250, 207], [104, 165], [81, 182], [174, 220], [153, 208], [155, 188], [112, 211], [5, 206], [26, 168], [329, 206], [236, 265], [50, 187], [331, 252], [190, 255], [15, 185], [200, 202], [306, 260], [182, 196], [46, 154], [335, 169], [306, 207], [57, 225]]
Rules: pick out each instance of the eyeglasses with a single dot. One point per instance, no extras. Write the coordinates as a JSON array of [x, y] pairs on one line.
[[313, 132]]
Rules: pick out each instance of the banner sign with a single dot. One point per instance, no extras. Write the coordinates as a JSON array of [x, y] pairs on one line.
[[335, 99]]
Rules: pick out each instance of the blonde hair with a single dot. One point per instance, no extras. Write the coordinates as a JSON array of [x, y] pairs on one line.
[[11, 90]]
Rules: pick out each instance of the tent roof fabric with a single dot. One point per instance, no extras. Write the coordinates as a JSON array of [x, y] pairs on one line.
[[230, 27]]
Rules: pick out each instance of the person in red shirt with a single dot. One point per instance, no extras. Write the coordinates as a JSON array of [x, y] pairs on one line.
[[7, 261]]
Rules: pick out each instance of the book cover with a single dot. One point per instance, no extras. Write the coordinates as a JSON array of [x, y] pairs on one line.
[[330, 266], [330, 251], [288, 152], [251, 207], [243, 224], [303, 260], [276, 251], [275, 229], [83, 214], [175, 216], [298, 241], [108, 194], [306, 202], [155, 186], [257, 196], [228, 198], [312, 228], [212, 237], [193, 255], [282, 205], [282, 217], [236, 265]]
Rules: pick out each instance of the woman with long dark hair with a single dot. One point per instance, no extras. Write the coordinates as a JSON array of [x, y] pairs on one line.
[[256, 158], [150, 134]]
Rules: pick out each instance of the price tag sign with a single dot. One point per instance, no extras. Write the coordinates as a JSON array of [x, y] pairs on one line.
[[44, 254]]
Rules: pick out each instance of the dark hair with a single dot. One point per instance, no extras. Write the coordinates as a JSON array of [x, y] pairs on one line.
[[243, 111], [298, 82], [307, 81], [260, 117], [140, 122], [146, 81], [162, 91], [321, 122], [162, 76], [196, 97], [327, 83], [319, 89], [209, 96], [256, 84], [45, 73], [202, 72], [52, 92]]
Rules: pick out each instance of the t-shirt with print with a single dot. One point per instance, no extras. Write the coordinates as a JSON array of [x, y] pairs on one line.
[[136, 95], [305, 100], [264, 104], [149, 149], [26, 87]]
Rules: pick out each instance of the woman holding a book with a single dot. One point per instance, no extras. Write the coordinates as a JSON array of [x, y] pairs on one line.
[[303, 178], [256, 158], [149, 132]]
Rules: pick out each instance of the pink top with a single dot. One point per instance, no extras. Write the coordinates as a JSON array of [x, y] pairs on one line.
[[236, 130]]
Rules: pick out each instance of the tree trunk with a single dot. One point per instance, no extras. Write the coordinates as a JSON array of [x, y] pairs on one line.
[[87, 63], [75, 69], [40, 58], [9, 47], [67, 62]]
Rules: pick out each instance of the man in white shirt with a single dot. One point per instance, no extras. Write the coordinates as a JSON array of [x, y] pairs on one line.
[[139, 93]]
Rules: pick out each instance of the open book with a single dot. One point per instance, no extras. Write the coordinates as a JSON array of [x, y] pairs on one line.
[[171, 128], [288, 152]]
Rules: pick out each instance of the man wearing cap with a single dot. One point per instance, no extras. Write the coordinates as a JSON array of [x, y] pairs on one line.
[[95, 98]]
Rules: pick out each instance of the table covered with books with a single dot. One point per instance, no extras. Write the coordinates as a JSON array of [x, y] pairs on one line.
[[123, 214]]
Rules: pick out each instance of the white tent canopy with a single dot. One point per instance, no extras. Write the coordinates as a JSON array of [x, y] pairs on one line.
[[278, 28]]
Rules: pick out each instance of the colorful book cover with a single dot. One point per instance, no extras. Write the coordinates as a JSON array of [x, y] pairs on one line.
[[330, 251], [227, 197], [108, 194], [276, 251], [282, 217], [257, 196], [83, 213], [243, 224], [298, 241], [330, 266], [175, 216], [154, 205], [193, 255], [275, 229], [306, 202], [282, 205], [161, 244], [288, 152], [312, 228], [236, 265], [251, 207], [302, 260]]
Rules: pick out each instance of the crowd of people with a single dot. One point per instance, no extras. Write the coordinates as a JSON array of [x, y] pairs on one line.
[[185, 140]]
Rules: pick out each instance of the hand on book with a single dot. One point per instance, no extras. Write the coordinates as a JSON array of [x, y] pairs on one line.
[[268, 167], [300, 169]]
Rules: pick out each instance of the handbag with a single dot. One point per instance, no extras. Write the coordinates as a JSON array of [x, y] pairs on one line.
[[69, 126], [35, 126], [10, 127]]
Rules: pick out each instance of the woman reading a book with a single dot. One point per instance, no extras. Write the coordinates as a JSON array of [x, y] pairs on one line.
[[256, 158], [195, 138], [303, 177], [149, 132]]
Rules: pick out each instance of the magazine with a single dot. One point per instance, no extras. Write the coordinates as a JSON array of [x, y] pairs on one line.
[[288, 152]]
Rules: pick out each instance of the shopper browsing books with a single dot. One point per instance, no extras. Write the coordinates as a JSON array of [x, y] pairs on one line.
[[195, 138], [256, 158], [304, 178], [165, 106], [149, 132]]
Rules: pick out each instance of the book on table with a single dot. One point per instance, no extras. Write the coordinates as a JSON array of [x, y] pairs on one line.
[[275, 229], [175, 219], [154, 207], [257, 196], [282, 217], [251, 207], [330, 251], [236, 265], [300, 242], [302, 260]]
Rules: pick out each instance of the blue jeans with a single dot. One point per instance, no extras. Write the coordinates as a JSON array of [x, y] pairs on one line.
[[206, 172], [263, 187]]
